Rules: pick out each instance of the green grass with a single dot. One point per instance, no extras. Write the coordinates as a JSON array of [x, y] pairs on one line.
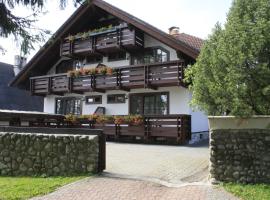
[[12, 188], [249, 192]]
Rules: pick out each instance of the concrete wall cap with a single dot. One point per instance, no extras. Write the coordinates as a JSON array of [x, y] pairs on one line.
[[232, 122]]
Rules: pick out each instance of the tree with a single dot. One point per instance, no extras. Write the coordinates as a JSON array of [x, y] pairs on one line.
[[232, 73], [23, 28]]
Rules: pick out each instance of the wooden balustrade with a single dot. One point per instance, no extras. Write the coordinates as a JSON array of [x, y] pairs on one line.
[[175, 127], [124, 78], [105, 42]]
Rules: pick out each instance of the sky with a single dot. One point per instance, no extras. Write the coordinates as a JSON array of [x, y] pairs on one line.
[[195, 17]]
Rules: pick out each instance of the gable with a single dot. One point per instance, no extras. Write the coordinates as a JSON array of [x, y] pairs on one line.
[[87, 17]]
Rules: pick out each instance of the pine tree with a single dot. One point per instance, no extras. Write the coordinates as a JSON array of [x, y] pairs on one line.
[[23, 28], [232, 72]]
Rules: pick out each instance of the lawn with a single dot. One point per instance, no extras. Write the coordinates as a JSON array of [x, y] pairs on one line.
[[12, 188], [249, 192]]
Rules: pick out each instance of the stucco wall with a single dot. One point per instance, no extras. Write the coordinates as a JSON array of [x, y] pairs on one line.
[[178, 104], [179, 97]]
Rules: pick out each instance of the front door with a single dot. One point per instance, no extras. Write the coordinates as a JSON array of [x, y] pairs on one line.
[[149, 103]]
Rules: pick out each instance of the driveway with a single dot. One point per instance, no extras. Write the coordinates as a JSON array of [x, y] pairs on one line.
[[158, 163], [147, 172]]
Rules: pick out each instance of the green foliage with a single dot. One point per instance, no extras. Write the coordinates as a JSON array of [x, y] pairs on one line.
[[26, 187], [249, 192], [23, 28], [232, 72]]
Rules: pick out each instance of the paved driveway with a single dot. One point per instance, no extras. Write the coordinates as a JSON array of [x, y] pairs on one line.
[[158, 163], [160, 173]]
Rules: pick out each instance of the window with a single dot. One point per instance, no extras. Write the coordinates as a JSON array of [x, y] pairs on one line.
[[93, 99], [70, 105], [94, 59], [116, 98], [151, 55], [117, 56], [149, 103]]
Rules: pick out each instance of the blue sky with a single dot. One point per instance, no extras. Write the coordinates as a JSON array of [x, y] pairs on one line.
[[195, 17]]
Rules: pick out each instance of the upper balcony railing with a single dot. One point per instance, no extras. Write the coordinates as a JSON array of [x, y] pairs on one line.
[[123, 78], [111, 40]]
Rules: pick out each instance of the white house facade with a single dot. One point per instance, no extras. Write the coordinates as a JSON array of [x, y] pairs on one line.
[[147, 67]]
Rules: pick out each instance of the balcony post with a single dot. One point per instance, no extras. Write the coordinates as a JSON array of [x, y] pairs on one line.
[[145, 76], [70, 84], [49, 89], [32, 87]]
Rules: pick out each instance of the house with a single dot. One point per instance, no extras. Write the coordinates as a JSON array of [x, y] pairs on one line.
[[14, 98], [120, 64]]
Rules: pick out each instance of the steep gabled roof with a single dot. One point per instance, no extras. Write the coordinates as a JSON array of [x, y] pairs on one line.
[[191, 40], [45, 56]]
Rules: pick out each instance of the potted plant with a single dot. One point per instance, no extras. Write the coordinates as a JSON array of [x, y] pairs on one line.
[[106, 123], [71, 120], [109, 71], [71, 73], [71, 38], [130, 125]]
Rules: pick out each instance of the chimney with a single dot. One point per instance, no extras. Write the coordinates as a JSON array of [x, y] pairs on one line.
[[19, 63], [174, 31]]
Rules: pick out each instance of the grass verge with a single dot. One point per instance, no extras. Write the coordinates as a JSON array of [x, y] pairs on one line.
[[249, 192], [13, 188]]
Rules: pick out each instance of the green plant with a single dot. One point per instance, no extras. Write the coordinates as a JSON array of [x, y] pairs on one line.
[[93, 117], [71, 38], [71, 73], [14, 188], [102, 70], [136, 120], [77, 73], [101, 119], [109, 71], [71, 118], [231, 75], [119, 120]]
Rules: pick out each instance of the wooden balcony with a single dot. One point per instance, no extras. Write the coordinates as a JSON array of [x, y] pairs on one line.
[[176, 128], [124, 78], [122, 38]]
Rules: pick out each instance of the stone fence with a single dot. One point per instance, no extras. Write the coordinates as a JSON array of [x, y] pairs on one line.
[[51, 152], [240, 150]]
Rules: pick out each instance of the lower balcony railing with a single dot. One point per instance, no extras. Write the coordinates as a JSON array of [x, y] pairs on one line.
[[124, 78], [174, 127]]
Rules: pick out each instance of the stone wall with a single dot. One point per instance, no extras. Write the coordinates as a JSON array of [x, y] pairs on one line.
[[48, 154], [240, 155]]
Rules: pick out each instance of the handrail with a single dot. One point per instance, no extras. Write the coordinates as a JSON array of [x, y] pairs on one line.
[[49, 76], [150, 75], [121, 67]]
